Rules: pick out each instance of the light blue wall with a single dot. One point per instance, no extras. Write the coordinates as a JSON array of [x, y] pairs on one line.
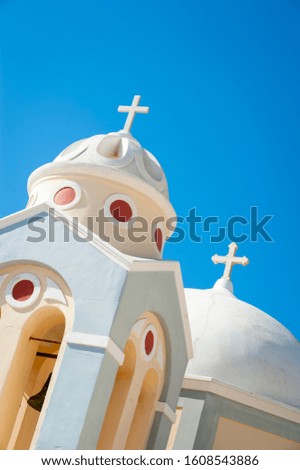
[[95, 280], [108, 300], [70, 399], [96, 283], [155, 292]]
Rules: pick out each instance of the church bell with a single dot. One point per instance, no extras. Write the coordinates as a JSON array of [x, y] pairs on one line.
[[36, 401]]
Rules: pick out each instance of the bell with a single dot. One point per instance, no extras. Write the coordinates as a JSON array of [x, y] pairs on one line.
[[36, 401]]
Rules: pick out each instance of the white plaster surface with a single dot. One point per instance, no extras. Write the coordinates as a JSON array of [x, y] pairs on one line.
[[116, 150], [101, 169], [240, 345]]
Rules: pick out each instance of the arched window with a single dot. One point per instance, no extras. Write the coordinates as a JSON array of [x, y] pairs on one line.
[[36, 310], [33, 362], [137, 388]]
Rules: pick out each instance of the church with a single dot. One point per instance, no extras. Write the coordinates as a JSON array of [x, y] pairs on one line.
[[101, 345]]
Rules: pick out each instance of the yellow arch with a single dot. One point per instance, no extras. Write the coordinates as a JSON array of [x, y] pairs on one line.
[[137, 389], [26, 374]]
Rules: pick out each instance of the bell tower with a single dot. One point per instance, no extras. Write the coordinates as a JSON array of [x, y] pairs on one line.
[[90, 314]]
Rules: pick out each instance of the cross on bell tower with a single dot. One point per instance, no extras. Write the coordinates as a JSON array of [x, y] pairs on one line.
[[230, 260], [132, 110]]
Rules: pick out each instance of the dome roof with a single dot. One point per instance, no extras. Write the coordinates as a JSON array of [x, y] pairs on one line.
[[240, 345], [117, 151]]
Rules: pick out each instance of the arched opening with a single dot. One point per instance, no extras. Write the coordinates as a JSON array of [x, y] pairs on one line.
[[144, 412], [137, 388], [118, 398], [34, 360]]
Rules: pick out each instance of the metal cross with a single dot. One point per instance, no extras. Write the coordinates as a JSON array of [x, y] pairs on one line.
[[132, 110], [230, 260]]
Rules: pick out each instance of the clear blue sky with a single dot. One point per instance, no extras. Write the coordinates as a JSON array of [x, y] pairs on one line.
[[222, 80]]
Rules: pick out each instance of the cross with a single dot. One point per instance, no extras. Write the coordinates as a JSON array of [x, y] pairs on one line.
[[132, 110], [230, 260]]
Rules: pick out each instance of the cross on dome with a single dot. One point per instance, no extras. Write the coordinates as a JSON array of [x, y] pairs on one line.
[[132, 110], [230, 260]]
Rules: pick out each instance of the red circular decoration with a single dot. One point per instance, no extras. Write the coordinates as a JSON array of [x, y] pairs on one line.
[[149, 342], [64, 196], [121, 210], [23, 290], [159, 238]]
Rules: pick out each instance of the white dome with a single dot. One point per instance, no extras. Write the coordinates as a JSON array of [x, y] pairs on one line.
[[240, 345], [117, 151]]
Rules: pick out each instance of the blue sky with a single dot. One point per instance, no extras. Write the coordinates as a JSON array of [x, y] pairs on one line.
[[222, 80]]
